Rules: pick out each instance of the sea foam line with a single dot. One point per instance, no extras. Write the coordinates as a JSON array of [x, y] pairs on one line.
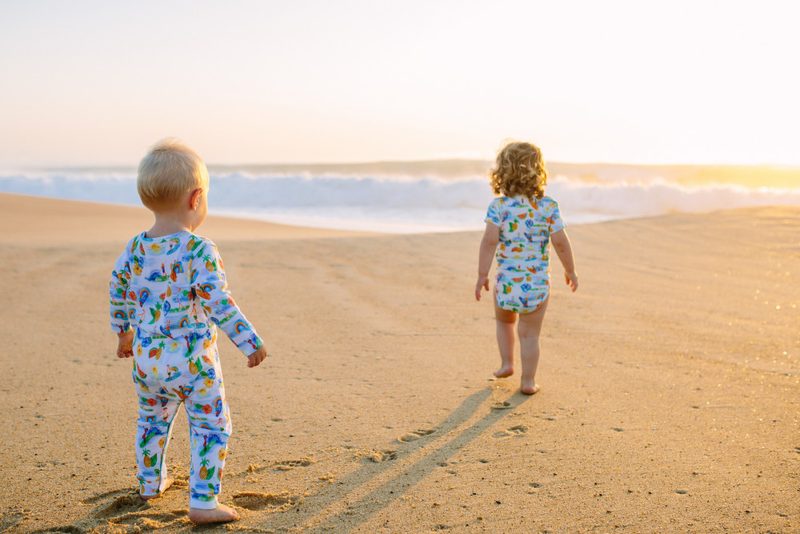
[[404, 204]]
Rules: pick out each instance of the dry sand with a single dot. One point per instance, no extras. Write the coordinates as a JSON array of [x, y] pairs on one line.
[[669, 397]]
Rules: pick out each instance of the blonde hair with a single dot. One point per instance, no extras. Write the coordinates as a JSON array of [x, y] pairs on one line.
[[169, 171], [519, 170]]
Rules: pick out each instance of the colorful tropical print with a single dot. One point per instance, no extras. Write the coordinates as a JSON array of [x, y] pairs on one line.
[[174, 286], [167, 375], [523, 254], [172, 291]]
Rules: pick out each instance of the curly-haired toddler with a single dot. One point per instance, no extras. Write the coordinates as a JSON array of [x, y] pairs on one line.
[[520, 225]]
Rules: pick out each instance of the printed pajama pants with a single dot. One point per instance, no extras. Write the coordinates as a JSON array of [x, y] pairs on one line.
[[168, 372]]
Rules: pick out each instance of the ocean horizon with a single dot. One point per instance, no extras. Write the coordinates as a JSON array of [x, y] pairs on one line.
[[431, 195]]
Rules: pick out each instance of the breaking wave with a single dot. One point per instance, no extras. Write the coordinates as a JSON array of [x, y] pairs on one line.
[[402, 204]]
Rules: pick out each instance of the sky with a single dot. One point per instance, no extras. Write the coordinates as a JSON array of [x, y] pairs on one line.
[[97, 82]]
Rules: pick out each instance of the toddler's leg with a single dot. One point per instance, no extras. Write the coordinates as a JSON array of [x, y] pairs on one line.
[[505, 340], [156, 413], [210, 427], [530, 326]]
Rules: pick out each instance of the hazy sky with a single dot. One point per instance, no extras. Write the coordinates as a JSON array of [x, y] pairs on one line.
[[97, 82]]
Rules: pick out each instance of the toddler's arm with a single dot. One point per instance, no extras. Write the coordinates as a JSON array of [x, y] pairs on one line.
[[491, 236], [563, 247], [118, 295], [211, 288]]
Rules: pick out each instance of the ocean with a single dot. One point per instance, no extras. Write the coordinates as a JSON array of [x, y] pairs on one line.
[[432, 196]]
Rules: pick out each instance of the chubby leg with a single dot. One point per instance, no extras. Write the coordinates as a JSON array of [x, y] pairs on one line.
[[157, 410], [209, 429], [505, 340], [530, 326]]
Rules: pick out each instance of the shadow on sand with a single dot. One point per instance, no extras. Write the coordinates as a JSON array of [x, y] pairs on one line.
[[339, 505], [351, 501]]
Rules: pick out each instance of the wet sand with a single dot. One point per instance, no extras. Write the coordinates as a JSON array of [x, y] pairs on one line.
[[669, 403]]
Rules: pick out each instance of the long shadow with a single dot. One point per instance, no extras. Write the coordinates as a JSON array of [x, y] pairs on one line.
[[401, 483], [124, 508]]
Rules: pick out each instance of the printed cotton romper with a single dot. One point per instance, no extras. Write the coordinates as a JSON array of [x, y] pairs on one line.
[[172, 291], [523, 261]]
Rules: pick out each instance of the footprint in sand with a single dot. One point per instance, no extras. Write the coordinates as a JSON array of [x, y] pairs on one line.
[[511, 432], [260, 501], [414, 436], [287, 465], [382, 456], [125, 507], [124, 504]]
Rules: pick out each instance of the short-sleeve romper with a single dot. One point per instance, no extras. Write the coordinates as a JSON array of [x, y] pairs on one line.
[[523, 255]]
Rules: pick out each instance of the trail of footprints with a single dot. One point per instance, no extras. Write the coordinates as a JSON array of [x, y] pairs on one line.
[[125, 511], [124, 508]]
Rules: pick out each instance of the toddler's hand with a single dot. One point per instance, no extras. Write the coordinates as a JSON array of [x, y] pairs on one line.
[[125, 345], [572, 280], [257, 357], [483, 282]]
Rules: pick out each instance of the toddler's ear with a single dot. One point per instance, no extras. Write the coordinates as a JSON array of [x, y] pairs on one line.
[[194, 199]]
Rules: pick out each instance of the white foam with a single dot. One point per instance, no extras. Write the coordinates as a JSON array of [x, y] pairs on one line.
[[402, 205]]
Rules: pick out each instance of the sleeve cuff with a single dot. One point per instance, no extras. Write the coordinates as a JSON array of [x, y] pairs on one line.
[[120, 328], [250, 345]]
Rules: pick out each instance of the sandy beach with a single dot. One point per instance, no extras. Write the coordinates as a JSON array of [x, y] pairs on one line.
[[670, 382]]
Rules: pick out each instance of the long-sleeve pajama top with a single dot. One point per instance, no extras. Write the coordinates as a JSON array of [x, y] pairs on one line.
[[174, 287]]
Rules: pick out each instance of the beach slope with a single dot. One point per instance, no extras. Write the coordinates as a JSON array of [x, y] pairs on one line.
[[669, 403]]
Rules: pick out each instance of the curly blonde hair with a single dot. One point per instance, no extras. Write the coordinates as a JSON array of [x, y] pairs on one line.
[[519, 170]]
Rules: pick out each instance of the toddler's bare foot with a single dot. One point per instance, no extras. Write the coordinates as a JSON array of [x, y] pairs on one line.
[[167, 484], [220, 514], [504, 371], [530, 389]]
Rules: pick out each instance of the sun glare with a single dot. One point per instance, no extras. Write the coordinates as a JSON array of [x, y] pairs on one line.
[[621, 81]]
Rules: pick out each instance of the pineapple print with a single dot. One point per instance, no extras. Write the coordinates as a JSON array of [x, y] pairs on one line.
[[153, 285], [155, 352], [149, 461], [205, 472], [523, 256], [210, 264]]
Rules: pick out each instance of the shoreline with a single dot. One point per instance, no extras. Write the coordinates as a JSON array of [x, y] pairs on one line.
[[254, 226]]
